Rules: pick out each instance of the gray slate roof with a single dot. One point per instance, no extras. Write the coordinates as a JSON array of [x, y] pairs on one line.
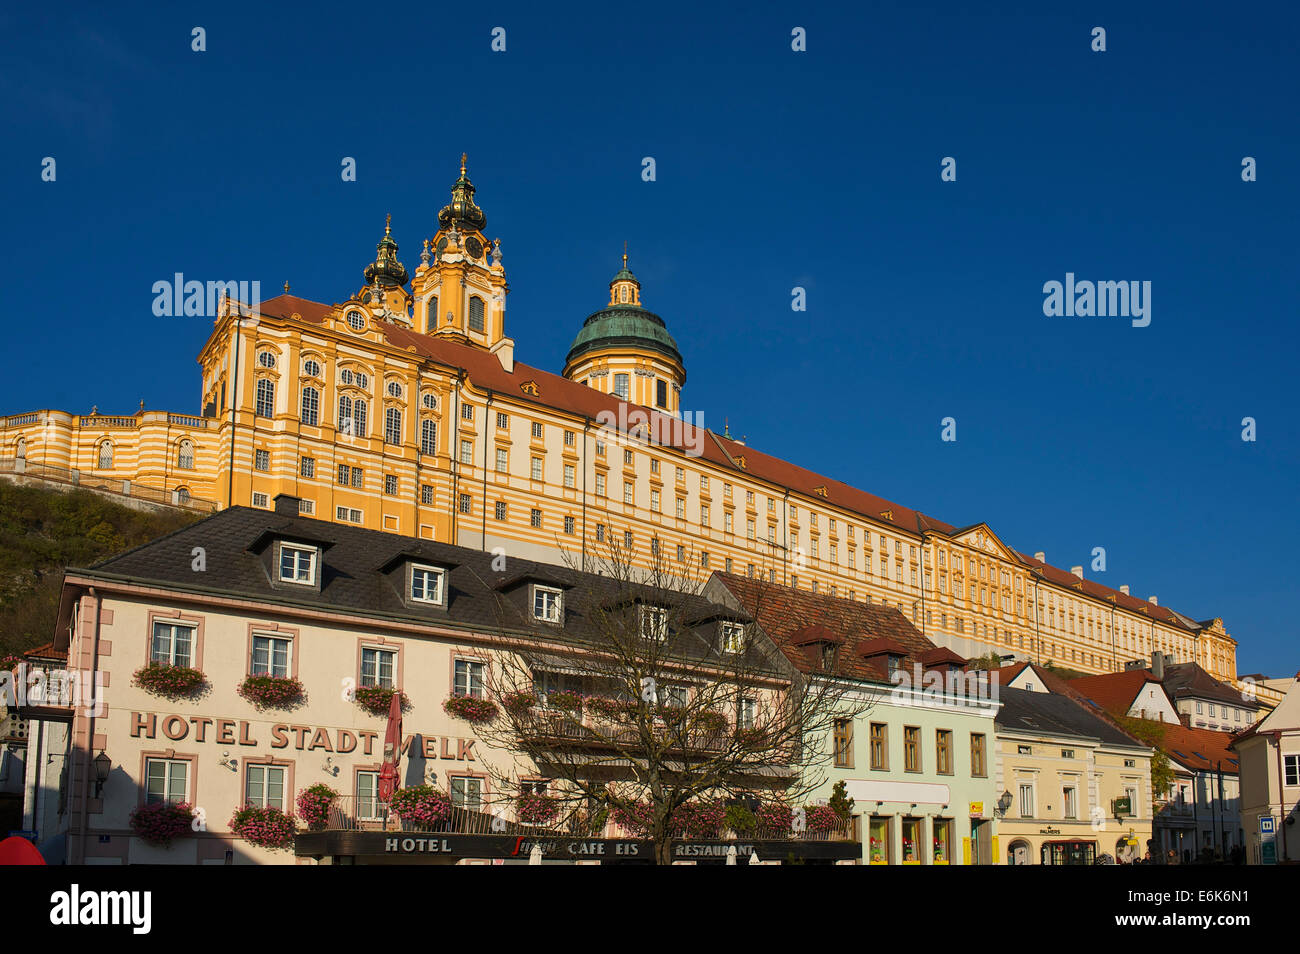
[[352, 579], [1051, 714]]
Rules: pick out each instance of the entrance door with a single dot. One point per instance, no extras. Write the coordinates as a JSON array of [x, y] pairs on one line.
[[1019, 853], [981, 843]]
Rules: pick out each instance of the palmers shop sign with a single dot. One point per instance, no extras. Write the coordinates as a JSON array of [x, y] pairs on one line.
[[302, 738]]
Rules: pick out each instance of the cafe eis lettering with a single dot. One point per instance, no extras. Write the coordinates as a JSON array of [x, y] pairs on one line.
[[301, 738]]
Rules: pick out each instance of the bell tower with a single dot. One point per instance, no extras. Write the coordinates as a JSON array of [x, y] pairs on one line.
[[460, 287]]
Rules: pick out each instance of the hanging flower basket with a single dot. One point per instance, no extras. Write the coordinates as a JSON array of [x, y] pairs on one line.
[[170, 682], [518, 703], [471, 709], [377, 699], [565, 699], [710, 722], [750, 736], [158, 823], [314, 804], [272, 692], [265, 827], [422, 804], [610, 708], [534, 808]]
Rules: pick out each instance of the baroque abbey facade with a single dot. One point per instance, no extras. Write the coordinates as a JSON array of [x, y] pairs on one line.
[[403, 409]]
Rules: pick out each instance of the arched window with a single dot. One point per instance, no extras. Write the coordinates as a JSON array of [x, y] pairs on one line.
[[433, 315], [622, 294], [20, 451], [183, 493], [310, 406], [475, 313], [359, 417], [345, 414], [362, 380], [311, 368], [106, 456], [392, 426], [394, 389], [428, 437], [266, 359], [185, 455], [265, 398], [345, 376], [430, 402]]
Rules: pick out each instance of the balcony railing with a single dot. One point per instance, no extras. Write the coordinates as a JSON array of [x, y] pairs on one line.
[[127, 488], [562, 728]]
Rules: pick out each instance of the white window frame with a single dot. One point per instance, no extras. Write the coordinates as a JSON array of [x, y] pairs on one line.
[[733, 637], [653, 622], [472, 684], [170, 769], [548, 604], [266, 772], [434, 574], [270, 667], [378, 654], [170, 658], [296, 575]]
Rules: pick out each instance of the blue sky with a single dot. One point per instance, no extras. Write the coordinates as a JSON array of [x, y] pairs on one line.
[[775, 169]]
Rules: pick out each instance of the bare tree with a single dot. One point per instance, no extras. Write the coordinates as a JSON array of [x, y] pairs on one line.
[[656, 699]]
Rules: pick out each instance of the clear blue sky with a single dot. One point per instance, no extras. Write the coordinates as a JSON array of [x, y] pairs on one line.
[[775, 169]]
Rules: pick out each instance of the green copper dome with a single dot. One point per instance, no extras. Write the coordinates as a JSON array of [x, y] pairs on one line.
[[624, 326]]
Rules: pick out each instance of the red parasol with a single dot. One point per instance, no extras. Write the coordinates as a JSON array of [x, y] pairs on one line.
[[388, 775]]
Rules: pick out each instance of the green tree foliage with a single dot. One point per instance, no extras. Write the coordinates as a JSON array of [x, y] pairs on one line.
[[1152, 734], [44, 531], [989, 662]]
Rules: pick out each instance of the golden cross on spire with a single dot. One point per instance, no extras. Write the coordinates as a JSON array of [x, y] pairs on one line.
[[463, 158], [625, 253], [388, 223], [286, 288]]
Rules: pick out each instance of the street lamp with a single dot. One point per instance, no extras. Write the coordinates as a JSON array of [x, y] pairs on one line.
[[103, 765]]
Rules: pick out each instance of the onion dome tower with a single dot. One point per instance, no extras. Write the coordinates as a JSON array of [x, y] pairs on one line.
[[460, 292], [386, 270], [626, 350]]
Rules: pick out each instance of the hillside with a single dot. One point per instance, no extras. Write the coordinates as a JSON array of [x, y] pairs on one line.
[[42, 531]]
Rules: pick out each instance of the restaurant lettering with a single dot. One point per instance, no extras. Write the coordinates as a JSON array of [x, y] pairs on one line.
[[302, 738]]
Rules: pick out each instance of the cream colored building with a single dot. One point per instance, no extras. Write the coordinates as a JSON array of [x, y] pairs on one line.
[[402, 408], [1072, 785]]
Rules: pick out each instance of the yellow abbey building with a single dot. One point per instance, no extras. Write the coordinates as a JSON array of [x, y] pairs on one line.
[[403, 409]]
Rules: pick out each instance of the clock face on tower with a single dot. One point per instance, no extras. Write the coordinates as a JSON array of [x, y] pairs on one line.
[[474, 247]]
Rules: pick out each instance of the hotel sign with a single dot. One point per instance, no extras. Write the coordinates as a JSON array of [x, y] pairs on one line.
[[301, 738]]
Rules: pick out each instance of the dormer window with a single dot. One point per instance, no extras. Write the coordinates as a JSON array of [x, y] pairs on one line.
[[427, 584], [733, 638], [654, 622], [297, 564], [548, 604], [895, 663]]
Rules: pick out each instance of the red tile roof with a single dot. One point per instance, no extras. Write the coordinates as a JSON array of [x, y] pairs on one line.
[[1198, 749], [1114, 691], [558, 392], [786, 614]]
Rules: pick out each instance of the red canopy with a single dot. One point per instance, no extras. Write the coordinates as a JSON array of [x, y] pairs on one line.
[[388, 775], [19, 851]]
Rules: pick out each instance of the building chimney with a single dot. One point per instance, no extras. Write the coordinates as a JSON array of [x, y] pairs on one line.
[[1040, 556], [1077, 571], [1158, 665], [1153, 601], [1123, 588], [286, 505]]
